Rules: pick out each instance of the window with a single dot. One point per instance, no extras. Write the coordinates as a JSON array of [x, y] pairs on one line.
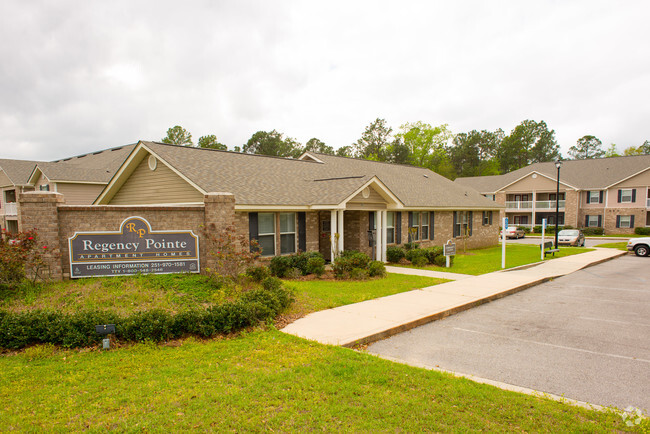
[[487, 218], [45, 187], [624, 221], [425, 225], [490, 196], [626, 195], [266, 233], [593, 221], [287, 233], [414, 230], [594, 197], [390, 227], [462, 223]]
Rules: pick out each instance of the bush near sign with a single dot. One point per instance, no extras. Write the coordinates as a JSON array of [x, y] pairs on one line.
[[134, 249]]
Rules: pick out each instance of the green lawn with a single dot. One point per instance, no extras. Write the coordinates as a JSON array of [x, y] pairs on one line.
[[262, 381], [619, 246], [481, 261], [314, 295]]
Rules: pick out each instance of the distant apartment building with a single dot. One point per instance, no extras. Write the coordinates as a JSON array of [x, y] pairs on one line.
[[609, 193]]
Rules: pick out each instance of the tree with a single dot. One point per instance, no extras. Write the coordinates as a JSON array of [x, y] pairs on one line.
[[427, 145], [398, 152], [272, 143], [344, 151], [178, 136], [211, 142], [611, 151], [373, 142], [473, 153], [587, 147], [645, 148], [529, 142], [632, 150], [315, 145]]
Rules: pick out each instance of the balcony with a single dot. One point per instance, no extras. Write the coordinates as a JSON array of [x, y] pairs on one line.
[[519, 204], [548, 204], [11, 209]]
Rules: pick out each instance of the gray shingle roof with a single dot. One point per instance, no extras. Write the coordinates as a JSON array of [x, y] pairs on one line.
[[582, 174], [18, 170], [263, 180], [97, 166]]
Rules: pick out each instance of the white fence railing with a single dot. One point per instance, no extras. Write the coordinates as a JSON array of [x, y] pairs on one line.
[[11, 209], [519, 204], [548, 204]]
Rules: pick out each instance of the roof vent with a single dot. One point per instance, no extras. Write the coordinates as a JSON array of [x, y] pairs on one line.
[[425, 175]]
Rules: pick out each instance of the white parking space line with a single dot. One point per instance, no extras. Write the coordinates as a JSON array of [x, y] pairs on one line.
[[618, 356], [635, 324]]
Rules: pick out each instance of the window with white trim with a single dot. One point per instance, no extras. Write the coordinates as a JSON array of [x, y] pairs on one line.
[[424, 225], [390, 227], [487, 218], [266, 233], [594, 197], [625, 221], [415, 227], [592, 221], [626, 197], [287, 233]]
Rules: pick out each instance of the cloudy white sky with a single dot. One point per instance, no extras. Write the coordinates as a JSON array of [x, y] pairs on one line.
[[79, 76]]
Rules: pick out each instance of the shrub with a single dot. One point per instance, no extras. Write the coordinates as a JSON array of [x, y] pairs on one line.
[[348, 261], [316, 266], [359, 274], [280, 265], [592, 231], [233, 253], [526, 229], [301, 260], [410, 246], [441, 260], [412, 254], [420, 261], [258, 274], [642, 231], [432, 252], [18, 330], [21, 256], [293, 273], [376, 269], [394, 254]]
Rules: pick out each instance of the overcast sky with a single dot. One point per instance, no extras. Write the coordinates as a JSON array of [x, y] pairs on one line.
[[79, 76]]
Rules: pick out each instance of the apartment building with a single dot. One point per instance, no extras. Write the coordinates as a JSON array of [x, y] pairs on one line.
[[609, 193]]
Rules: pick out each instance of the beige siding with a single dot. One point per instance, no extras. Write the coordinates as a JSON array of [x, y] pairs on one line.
[[42, 180], [373, 201], [79, 194], [4, 180], [529, 184], [160, 186], [640, 180]]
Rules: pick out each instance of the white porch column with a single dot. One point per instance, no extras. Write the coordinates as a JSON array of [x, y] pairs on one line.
[[340, 229], [380, 240], [533, 214], [384, 235], [333, 241]]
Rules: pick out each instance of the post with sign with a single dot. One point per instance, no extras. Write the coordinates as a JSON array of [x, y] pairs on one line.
[[449, 250], [503, 242], [543, 232]]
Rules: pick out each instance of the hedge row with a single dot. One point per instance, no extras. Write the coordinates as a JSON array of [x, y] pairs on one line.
[[18, 330]]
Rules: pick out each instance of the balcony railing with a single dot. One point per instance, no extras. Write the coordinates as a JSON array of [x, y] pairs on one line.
[[519, 204], [548, 204], [11, 209]]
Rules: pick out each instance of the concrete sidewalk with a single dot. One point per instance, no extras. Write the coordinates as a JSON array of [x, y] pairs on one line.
[[372, 320]]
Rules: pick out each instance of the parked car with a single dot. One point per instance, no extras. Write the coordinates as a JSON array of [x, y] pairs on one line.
[[640, 246], [571, 237], [514, 232]]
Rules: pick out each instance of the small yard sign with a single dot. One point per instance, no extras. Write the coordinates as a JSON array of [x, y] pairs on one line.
[[134, 248], [449, 249]]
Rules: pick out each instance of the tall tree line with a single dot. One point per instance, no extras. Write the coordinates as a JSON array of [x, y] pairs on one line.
[[473, 153]]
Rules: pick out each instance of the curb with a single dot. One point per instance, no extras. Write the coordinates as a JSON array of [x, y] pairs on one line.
[[457, 309]]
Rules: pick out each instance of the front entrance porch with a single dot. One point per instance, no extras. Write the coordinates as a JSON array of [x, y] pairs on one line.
[[364, 231]]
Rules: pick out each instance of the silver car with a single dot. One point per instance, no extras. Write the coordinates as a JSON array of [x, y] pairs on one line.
[[571, 237]]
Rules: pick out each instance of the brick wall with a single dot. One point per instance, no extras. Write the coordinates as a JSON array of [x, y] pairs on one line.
[[609, 222], [571, 213], [56, 222]]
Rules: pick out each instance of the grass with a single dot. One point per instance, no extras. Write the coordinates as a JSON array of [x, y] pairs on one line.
[[123, 295], [619, 246], [262, 381], [314, 295], [487, 260], [595, 236]]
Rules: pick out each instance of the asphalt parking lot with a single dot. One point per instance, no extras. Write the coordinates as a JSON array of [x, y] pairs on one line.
[[585, 336]]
